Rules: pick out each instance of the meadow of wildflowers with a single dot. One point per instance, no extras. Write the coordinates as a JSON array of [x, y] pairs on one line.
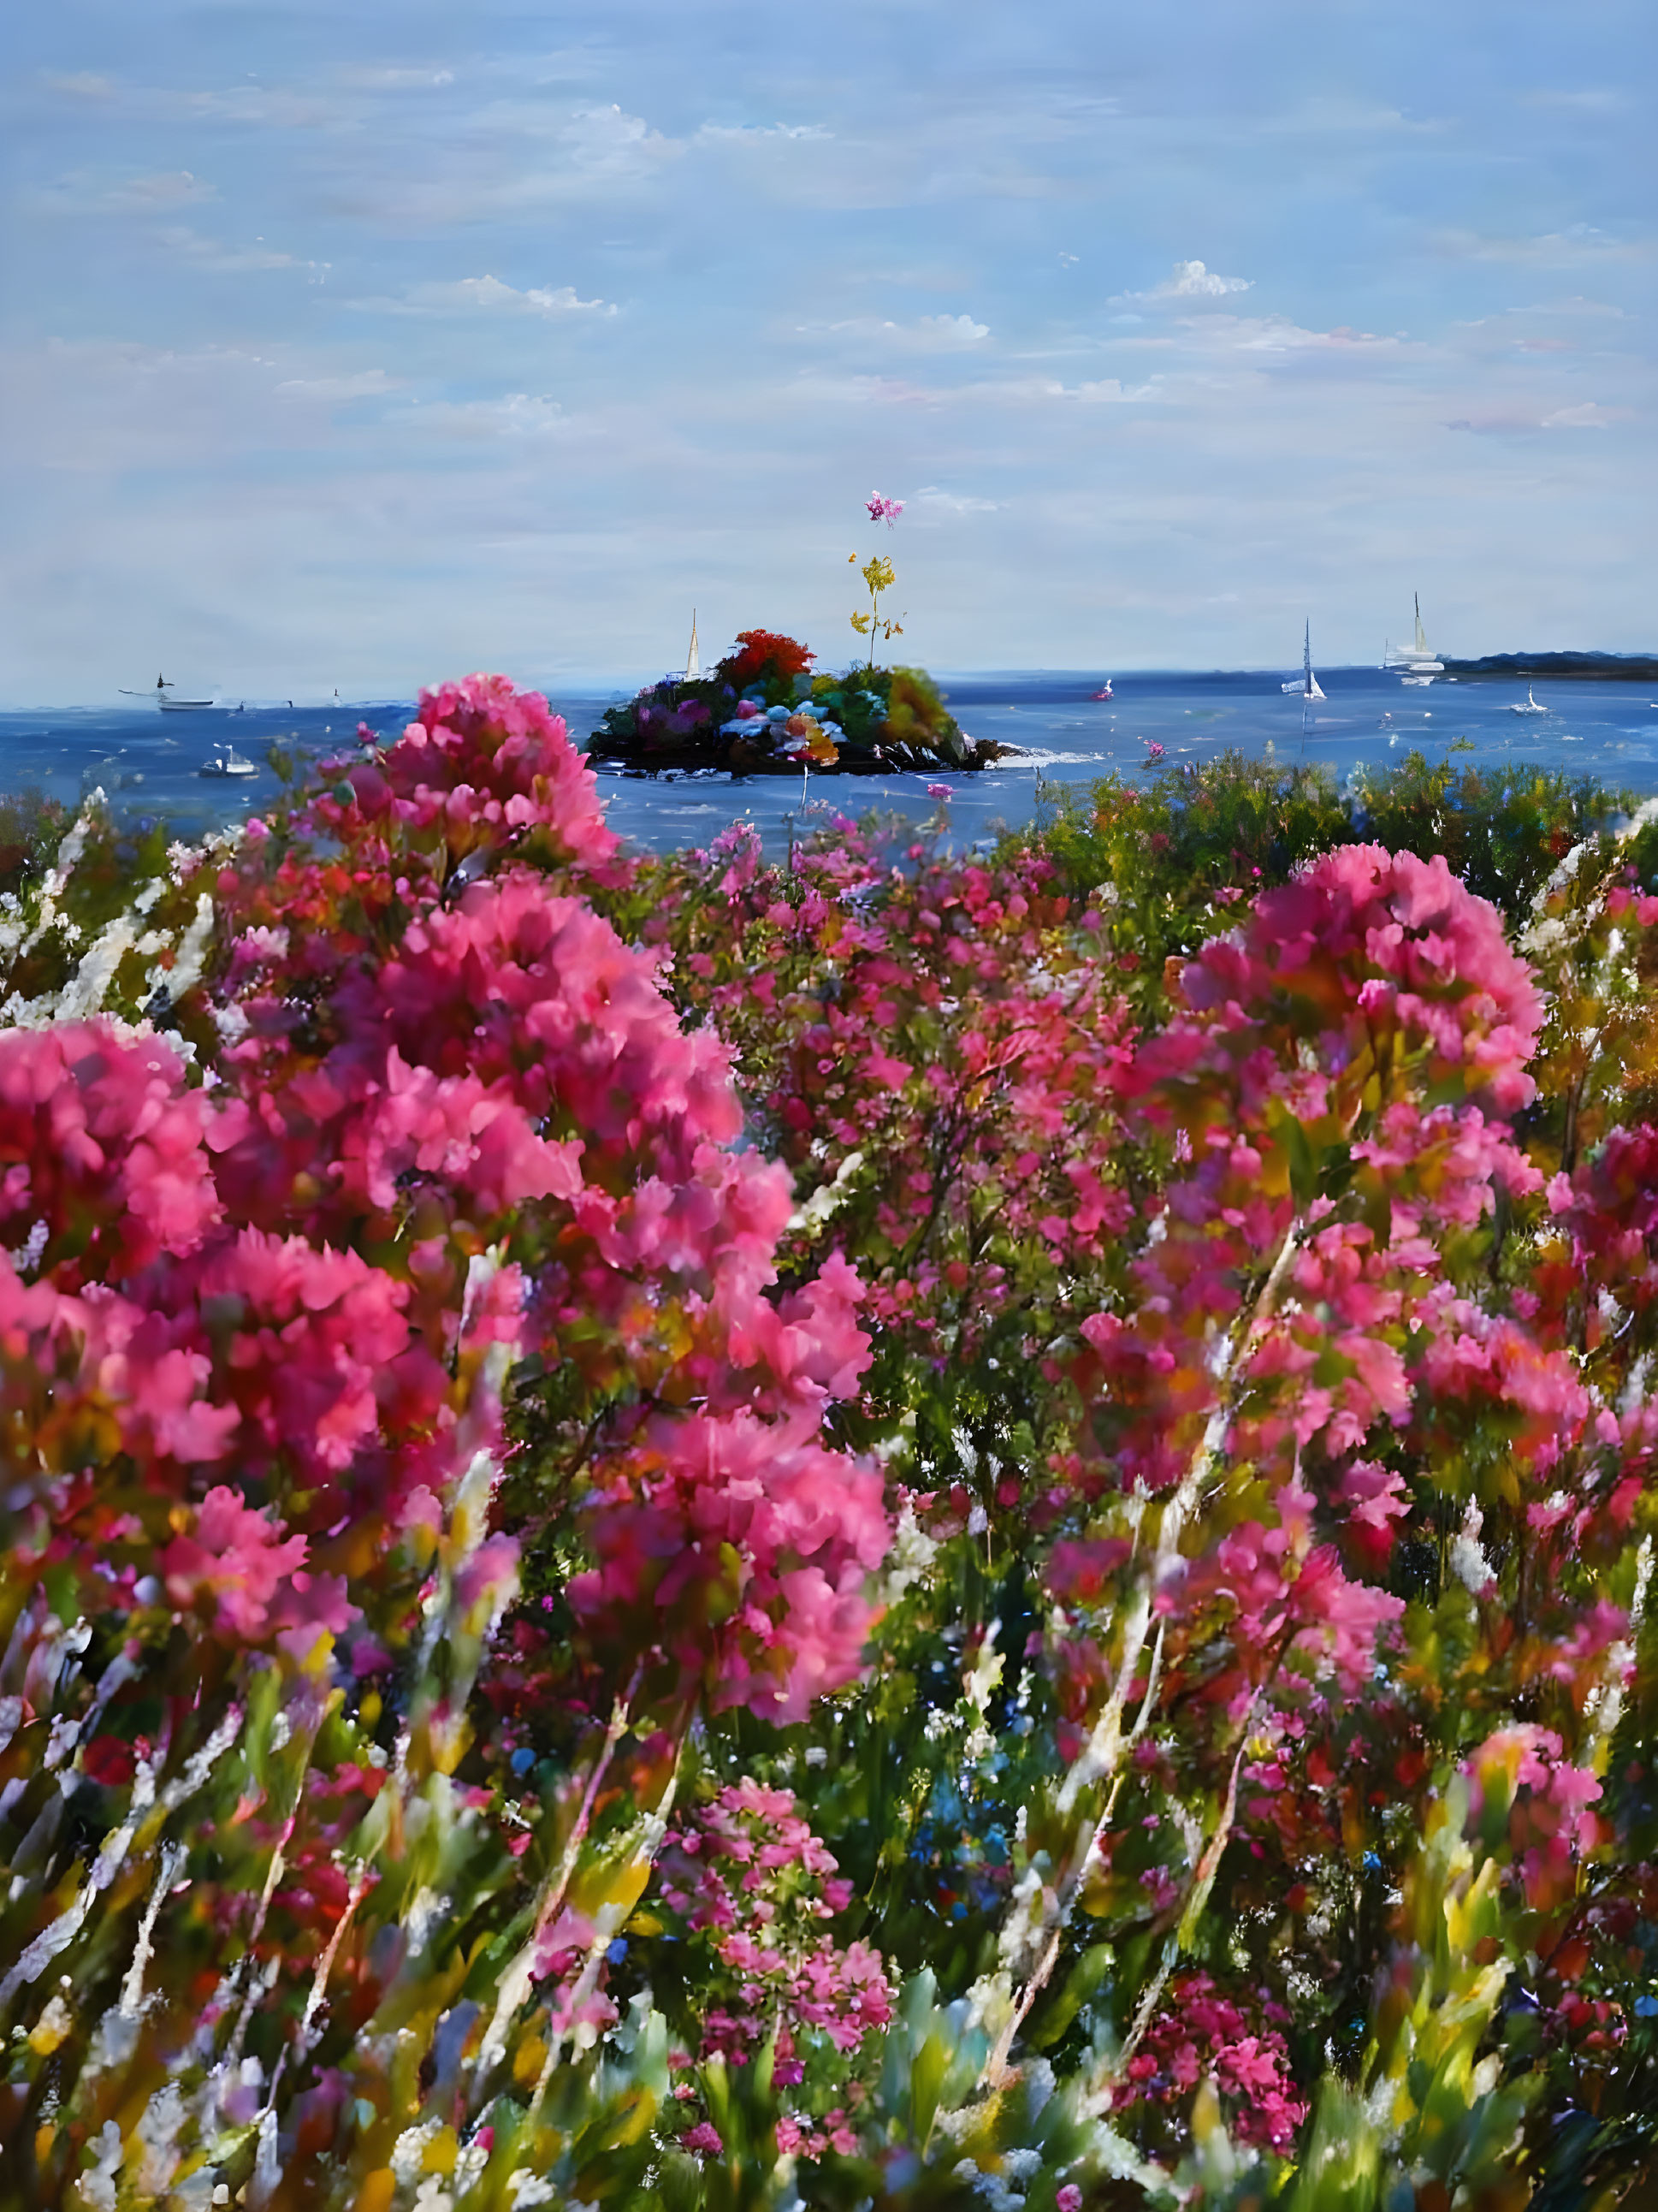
[[916, 1530]]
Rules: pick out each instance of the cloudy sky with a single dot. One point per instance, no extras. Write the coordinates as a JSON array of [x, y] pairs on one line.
[[365, 343]]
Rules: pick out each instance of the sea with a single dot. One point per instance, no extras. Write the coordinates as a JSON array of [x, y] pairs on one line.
[[149, 764]]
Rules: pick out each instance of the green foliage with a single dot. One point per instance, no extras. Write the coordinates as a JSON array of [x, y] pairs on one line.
[[1501, 829], [31, 826]]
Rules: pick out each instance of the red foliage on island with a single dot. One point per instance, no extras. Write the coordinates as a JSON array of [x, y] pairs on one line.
[[765, 655]]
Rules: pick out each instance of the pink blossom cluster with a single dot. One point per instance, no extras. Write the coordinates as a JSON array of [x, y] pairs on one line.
[[1310, 1037], [741, 1548], [1532, 1803], [968, 1055], [747, 1874], [260, 1305], [1235, 2041]]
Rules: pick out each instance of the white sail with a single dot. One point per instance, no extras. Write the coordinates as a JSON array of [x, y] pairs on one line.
[[1421, 650], [1309, 681], [694, 659]]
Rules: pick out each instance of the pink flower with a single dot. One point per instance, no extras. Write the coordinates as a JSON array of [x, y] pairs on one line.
[[883, 510], [237, 1556]]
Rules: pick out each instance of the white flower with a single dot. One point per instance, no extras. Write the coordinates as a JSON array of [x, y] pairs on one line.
[[526, 2188], [409, 2152], [1468, 1563]]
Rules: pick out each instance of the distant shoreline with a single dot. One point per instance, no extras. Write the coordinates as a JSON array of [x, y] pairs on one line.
[[1613, 668], [1609, 667]]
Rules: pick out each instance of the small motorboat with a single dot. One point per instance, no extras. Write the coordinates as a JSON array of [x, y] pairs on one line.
[[225, 760], [1104, 691], [1529, 705]]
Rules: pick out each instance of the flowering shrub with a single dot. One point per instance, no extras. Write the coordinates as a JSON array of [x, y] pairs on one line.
[[770, 660], [688, 1533]]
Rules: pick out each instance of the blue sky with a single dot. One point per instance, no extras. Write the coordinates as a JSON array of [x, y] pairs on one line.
[[362, 345]]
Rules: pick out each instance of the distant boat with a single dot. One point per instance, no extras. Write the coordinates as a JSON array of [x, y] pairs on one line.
[[1104, 691], [1527, 705], [1416, 661], [225, 760], [162, 695], [1306, 683], [693, 659]]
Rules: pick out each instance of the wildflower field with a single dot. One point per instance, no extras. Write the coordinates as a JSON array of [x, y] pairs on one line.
[[913, 1531]]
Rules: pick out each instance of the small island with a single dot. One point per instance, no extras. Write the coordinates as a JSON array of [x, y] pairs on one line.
[[761, 711]]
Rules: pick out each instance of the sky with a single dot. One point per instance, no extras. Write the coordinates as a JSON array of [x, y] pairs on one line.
[[367, 344]]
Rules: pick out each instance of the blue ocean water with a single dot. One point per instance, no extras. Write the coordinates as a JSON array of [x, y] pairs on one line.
[[149, 763]]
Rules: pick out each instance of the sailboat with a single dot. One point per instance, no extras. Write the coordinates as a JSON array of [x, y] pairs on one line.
[[693, 659], [1415, 662], [1306, 683], [1529, 705]]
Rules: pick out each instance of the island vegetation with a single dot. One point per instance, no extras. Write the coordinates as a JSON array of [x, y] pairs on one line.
[[762, 711]]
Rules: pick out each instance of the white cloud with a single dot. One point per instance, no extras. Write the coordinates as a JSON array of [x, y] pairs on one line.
[[84, 192], [1275, 334], [1579, 242], [514, 158], [1577, 305], [931, 500], [1586, 415], [756, 134], [490, 292], [1192, 281], [1337, 112], [518, 415], [488, 295], [926, 333], [212, 253], [81, 84], [400, 80], [366, 384], [1109, 391]]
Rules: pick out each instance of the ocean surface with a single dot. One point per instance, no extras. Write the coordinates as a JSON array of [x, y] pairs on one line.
[[149, 763]]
